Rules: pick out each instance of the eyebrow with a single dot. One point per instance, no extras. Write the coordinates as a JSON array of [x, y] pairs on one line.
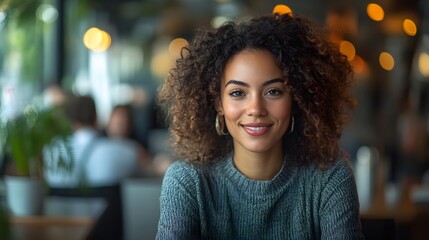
[[275, 80]]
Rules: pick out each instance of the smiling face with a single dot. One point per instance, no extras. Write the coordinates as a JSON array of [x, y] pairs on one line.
[[255, 101]]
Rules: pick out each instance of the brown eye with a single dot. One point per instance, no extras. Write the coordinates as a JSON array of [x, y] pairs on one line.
[[236, 93], [273, 92]]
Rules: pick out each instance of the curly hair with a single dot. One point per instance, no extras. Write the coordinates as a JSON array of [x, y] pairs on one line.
[[317, 74]]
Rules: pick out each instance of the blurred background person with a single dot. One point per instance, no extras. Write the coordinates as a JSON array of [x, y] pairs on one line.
[[120, 123], [100, 164], [99, 161], [121, 126], [54, 95]]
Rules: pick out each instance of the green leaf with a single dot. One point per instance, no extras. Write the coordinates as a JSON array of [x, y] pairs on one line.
[[27, 136]]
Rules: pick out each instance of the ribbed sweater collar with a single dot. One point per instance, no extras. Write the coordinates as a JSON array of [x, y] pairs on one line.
[[260, 187]]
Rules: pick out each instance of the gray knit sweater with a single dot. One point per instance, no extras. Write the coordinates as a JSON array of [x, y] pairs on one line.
[[218, 202]]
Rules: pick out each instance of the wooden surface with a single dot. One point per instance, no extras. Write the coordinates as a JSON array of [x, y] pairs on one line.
[[411, 218], [43, 227], [403, 209], [63, 219]]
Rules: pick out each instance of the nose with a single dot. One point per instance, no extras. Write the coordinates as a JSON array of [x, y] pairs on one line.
[[256, 107]]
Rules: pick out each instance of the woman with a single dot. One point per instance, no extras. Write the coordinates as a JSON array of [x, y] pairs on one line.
[[120, 124], [120, 127], [257, 109]]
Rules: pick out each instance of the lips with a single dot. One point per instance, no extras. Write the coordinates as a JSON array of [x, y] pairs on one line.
[[257, 129]]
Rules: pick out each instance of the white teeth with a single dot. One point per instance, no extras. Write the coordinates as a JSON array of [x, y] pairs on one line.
[[256, 128]]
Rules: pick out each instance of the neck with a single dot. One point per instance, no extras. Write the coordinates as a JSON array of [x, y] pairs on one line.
[[259, 166]]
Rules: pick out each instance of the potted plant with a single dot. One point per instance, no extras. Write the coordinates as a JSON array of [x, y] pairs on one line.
[[26, 138]]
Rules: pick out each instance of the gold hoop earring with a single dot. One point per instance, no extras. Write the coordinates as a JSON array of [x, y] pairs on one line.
[[219, 127], [292, 125]]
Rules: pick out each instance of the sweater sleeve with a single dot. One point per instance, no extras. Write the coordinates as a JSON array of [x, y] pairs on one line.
[[339, 212], [179, 217]]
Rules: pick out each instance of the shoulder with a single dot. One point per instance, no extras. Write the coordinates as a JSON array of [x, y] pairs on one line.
[[115, 144], [185, 168], [114, 149], [334, 174], [189, 175], [340, 168], [181, 169], [338, 179], [180, 181]]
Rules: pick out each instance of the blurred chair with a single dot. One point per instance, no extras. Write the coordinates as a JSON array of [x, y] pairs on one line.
[[141, 207], [379, 229], [110, 223]]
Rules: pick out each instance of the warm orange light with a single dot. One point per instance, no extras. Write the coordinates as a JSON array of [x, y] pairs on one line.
[[282, 9], [409, 27], [161, 64], [423, 63], [359, 65], [387, 62], [106, 40], [97, 40], [92, 38], [348, 49], [375, 12], [176, 46]]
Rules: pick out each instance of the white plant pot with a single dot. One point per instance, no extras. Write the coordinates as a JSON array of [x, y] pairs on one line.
[[24, 195]]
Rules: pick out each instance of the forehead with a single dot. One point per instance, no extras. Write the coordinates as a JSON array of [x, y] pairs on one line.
[[252, 64]]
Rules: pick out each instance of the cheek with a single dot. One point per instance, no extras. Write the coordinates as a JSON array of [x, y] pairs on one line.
[[281, 111], [232, 110]]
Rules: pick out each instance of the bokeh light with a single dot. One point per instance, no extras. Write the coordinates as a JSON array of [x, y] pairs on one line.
[[387, 62], [348, 50], [375, 12], [106, 40], [3, 16], [96, 40], [410, 27], [175, 47], [92, 38], [359, 65], [160, 64], [423, 63], [282, 9], [47, 13], [216, 22]]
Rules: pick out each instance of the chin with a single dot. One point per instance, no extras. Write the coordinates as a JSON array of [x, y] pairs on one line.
[[258, 148]]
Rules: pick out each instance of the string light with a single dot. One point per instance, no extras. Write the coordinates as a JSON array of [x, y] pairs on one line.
[[282, 9], [387, 62], [96, 40], [176, 46], [410, 27], [375, 12], [348, 49], [423, 62], [359, 65]]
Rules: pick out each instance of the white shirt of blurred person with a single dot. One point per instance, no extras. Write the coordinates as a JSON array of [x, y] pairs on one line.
[[98, 161], [120, 126]]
